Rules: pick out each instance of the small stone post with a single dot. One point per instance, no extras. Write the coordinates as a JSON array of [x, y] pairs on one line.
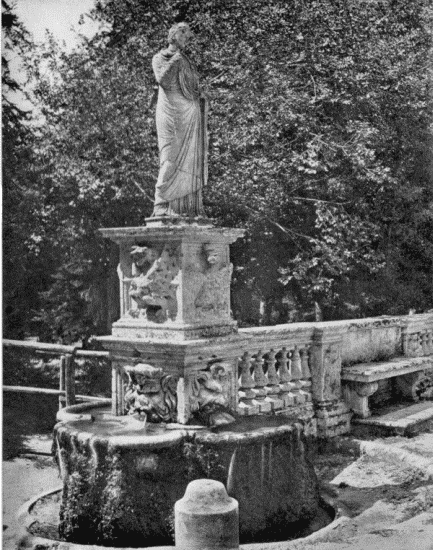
[[206, 518]]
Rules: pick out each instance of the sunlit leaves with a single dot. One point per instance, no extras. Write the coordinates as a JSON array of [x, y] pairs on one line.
[[318, 145]]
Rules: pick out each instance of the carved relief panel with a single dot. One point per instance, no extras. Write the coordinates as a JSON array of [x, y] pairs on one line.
[[149, 293], [205, 291]]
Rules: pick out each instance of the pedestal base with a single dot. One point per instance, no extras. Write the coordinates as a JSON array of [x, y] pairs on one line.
[[175, 278]]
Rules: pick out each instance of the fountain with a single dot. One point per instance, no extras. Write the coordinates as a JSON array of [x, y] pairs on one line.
[[193, 397], [188, 402]]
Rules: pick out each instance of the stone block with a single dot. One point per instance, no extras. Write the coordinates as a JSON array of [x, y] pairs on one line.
[[371, 339], [174, 281], [288, 399], [275, 402], [264, 406], [248, 409]]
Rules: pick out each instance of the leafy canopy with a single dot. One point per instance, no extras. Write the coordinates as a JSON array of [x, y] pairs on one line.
[[319, 145]]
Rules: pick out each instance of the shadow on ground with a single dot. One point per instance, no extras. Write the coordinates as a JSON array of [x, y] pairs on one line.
[[26, 415]]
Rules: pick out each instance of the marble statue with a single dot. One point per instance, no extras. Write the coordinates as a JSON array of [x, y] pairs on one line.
[[181, 127]]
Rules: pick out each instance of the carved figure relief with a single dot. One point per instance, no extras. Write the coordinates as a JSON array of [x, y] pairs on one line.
[[150, 394], [209, 396], [211, 274], [153, 287]]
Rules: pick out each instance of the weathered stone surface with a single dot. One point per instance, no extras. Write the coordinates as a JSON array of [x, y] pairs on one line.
[[407, 421], [333, 418], [174, 281], [371, 339], [326, 362], [206, 517], [122, 482], [150, 393], [356, 395], [371, 372], [361, 381]]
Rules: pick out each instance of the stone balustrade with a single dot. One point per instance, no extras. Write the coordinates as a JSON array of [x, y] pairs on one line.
[[177, 354], [274, 380], [293, 369], [417, 336]]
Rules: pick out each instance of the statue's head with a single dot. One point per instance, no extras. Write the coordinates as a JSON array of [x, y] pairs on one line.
[[179, 34]]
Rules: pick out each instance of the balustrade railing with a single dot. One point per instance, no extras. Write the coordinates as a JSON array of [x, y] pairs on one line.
[[268, 370], [418, 343], [274, 380]]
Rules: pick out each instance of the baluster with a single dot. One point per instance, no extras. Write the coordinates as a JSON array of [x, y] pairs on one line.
[[306, 374], [419, 344], [296, 365], [246, 381], [305, 358], [413, 344], [405, 342], [273, 389], [285, 377], [246, 385], [430, 342], [418, 347], [424, 343], [296, 370], [261, 382], [273, 379], [283, 370], [259, 376]]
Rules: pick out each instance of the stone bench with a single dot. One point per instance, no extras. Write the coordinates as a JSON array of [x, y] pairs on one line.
[[359, 382]]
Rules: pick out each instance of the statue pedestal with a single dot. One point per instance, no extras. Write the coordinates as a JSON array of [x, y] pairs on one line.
[[174, 280], [175, 315]]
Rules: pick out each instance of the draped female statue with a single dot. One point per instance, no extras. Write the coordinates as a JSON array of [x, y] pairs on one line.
[[181, 127]]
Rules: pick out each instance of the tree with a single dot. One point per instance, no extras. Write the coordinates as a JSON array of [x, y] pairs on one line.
[[23, 270], [319, 132]]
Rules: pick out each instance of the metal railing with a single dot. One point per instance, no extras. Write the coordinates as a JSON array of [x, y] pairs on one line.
[[66, 391]]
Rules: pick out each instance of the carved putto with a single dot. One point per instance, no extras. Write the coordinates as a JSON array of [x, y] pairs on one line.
[[153, 288], [150, 393]]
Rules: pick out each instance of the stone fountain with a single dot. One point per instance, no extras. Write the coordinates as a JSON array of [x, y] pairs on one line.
[[192, 397], [188, 402]]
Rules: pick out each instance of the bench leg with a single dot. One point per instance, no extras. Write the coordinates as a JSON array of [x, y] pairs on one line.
[[356, 395], [405, 386]]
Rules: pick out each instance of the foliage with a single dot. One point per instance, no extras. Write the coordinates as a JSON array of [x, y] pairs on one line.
[[319, 146], [23, 268]]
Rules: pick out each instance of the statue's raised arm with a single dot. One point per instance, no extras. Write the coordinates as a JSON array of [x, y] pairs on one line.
[[181, 128]]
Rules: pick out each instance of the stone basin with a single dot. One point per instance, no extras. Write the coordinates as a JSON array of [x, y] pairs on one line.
[[121, 479]]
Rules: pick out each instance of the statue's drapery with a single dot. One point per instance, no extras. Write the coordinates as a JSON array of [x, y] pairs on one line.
[[182, 140]]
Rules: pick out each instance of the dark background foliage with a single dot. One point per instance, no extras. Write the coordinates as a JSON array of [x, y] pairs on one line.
[[320, 145]]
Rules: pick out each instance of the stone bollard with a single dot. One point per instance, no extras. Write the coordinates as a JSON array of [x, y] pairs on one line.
[[206, 518]]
